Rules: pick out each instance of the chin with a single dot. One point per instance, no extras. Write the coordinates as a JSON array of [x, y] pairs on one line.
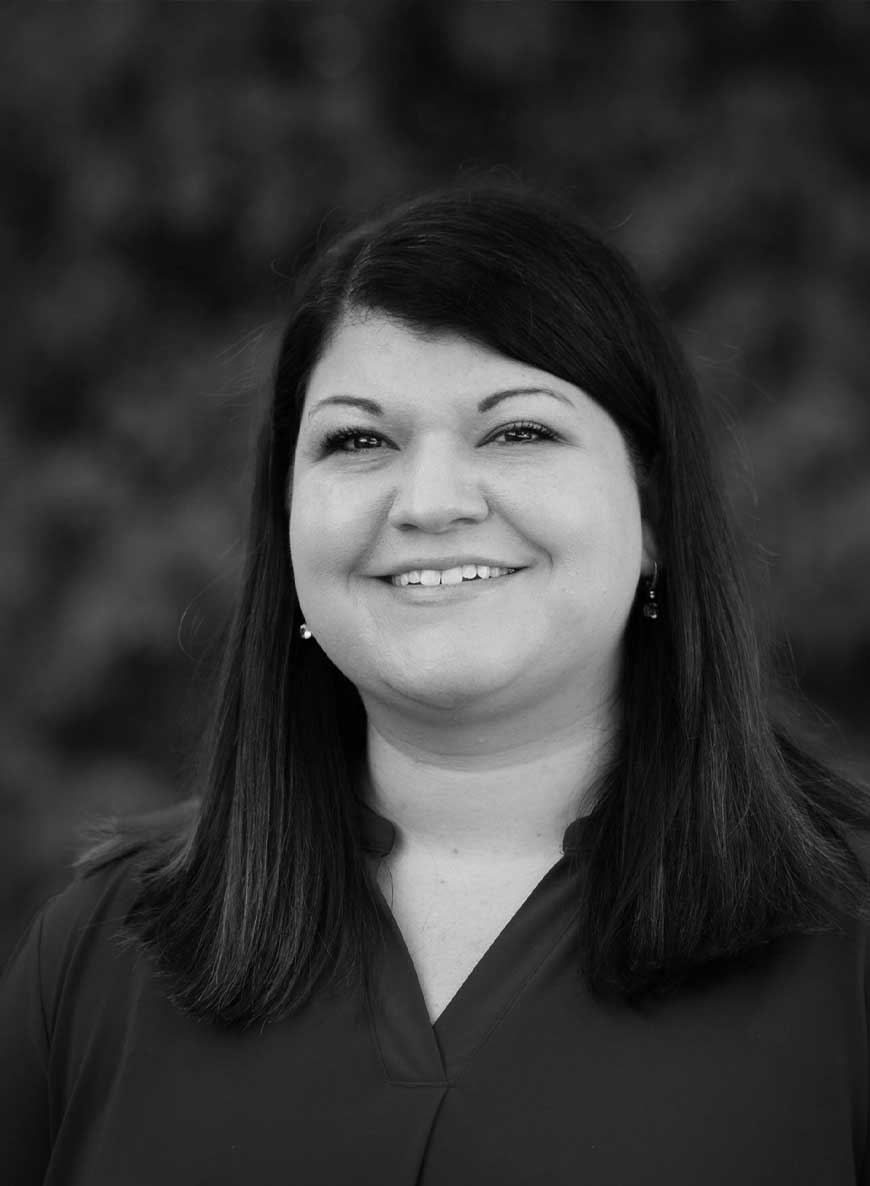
[[450, 690]]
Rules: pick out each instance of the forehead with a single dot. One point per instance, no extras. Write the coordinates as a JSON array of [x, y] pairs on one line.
[[382, 354]]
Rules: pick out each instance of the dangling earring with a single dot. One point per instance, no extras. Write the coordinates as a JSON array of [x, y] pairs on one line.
[[651, 608], [304, 631]]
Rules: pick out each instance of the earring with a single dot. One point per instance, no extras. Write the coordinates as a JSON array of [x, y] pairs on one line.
[[650, 608], [304, 631]]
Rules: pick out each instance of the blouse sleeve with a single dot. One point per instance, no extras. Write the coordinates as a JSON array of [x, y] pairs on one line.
[[24, 1128]]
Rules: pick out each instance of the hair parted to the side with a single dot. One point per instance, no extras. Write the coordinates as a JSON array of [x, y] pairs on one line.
[[712, 833]]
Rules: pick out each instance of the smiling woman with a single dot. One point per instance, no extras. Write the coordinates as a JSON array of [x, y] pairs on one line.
[[442, 484], [498, 867]]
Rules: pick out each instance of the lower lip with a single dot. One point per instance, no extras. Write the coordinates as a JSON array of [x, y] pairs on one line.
[[422, 594]]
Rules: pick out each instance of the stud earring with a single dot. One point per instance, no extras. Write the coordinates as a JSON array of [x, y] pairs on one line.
[[304, 631], [651, 608]]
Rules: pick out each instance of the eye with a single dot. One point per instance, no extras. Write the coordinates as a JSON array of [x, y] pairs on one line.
[[334, 441], [527, 426]]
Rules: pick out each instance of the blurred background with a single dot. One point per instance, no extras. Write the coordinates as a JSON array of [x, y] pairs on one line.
[[164, 169]]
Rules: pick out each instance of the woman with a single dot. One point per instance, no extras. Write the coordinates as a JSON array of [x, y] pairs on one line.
[[501, 871]]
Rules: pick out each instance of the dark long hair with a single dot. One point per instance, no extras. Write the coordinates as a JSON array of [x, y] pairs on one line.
[[713, 831]]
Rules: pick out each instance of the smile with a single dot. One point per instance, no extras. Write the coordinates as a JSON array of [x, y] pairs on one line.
[[430, 577], [421, 591]]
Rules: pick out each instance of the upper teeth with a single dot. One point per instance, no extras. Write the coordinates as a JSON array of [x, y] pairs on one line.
[[449, 576]]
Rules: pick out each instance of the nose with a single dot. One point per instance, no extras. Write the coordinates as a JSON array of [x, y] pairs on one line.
[[438, 486]]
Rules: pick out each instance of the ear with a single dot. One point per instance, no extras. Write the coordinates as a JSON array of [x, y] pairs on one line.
[[649, 510], [650, 550]]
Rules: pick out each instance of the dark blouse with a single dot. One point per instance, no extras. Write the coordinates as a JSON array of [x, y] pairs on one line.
[[757, 1075]]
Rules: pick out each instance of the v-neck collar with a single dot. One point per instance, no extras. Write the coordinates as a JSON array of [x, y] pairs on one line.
[[378, 834], [413, 1050]]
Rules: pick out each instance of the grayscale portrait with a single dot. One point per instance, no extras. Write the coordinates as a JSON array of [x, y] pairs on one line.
[[435, 602]]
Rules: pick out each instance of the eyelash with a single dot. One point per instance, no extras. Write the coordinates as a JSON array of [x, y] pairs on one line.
[[333, 440]]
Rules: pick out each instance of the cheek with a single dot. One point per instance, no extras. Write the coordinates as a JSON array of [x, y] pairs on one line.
[[619, 527], [596, 512], [596, 547], [326, 528], [309, 537]]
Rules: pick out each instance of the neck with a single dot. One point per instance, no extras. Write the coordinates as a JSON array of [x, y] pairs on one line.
[[477, 798]]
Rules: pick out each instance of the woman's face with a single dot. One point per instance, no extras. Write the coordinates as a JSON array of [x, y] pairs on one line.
[[430, 481]]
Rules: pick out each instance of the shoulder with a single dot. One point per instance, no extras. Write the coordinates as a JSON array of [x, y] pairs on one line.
[[84, 925], [92, 899], [67, 966], [858, 840], [77, 932]]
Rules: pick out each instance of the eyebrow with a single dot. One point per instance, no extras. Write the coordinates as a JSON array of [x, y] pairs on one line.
[[489, 401]]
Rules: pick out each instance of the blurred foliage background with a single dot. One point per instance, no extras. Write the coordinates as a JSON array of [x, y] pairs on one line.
[[164, 167]]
